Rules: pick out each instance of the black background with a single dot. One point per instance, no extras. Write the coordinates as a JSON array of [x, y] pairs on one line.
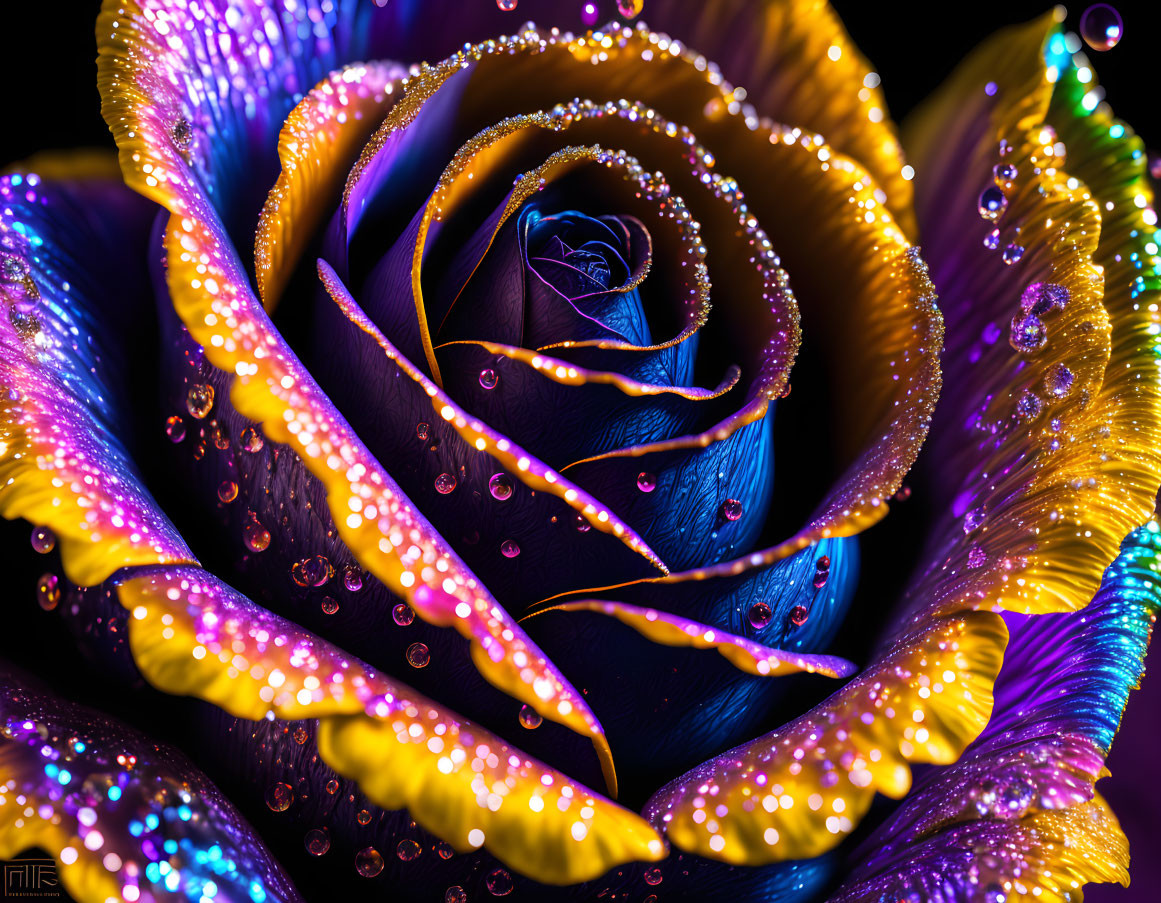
[[49, 100]]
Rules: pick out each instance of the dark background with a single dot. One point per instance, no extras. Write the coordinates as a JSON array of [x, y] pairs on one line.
[[49, 100]]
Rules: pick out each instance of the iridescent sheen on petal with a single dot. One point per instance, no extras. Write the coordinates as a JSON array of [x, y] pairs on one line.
[[192, 635], [65, 295], [798, 791]]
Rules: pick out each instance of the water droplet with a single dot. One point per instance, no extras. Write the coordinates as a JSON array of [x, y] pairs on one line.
[[1059, 381], [903, 494], [759, 615], [973, 520], [977, 557], [182, 133], [630, 8], [823, 563], [279, 797], [252, 440], [363, 817], [12, 269], [653, 877], [422, 431], [646, 481], [445, 483], [506, 5], [455, 893], [501, 486], [992, 240], [175, 428], [301, 735], [582, 525], [590, 13], [199, 451], [418, 655], [444, 850], [798, 615], [992, 203], [499, 882], [403, 614], [43, 540], [332, 786], [489, 379], [313, 571], [1004, 174], [407, 850], [1028, 333], [1101, 27], [256, 537], [509, 548], [352, 578], [330, 606], [48, 592], [731, 509], [318, 841], [27, 325], [227, 491], [199, 400], [1012, 254], [1028, 406], [820, 578], [368, 862], [1043, 298], [530, 718]]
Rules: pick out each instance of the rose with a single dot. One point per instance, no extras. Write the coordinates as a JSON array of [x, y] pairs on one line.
[[1029, 512]]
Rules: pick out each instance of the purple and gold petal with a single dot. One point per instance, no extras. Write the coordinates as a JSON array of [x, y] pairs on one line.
[[62, 463], [319, 141], [798, 791], [745, 654], [126, 819], [192, 635]]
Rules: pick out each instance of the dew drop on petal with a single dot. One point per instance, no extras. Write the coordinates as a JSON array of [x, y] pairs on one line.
[[402, 614], [1028, 333], [1101, 27], [48, 592], [313, 571], [181, 133], [582, 525], [352, 578], [444, 850], [1059, 380], [506, 5], [256, 537], [630, 8], [368, 862], [489, 378], [1012, 254], [363, 817], [992, 203], [1043, 298], [252, 440], [500, 486], [973, 520], [175, 428], [992, 240], [279, 796], [646, 481], [407, 850], [422, 431], [227, 491], [759, 615], [418, 655], [301, 735], [731, 509], [820, 578], [977, 557], [653, 877], [798, 615], [1028, 406], [330, 606], [199, 400], [455, 893], [499, 882], [43, 540], [332, 786], [823, 563], [1004, 174], [318, 841], [509, 548], [445, 483], [529, 717]]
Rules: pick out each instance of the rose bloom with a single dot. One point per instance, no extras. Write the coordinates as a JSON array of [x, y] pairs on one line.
[[401, 409]]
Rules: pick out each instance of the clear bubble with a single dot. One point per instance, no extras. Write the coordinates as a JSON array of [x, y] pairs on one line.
[[499, 883], [199, 400], [227, 491], [501, 486], [368, 862], [530, 718], [48, 592], [256, 537], [418, 655], [445, 483], [798, 615], [509, 548], [992, 203], [313, 571], [403, 614], [1101, 27], [1028, 333], [352, 578], [279, 796], [731, 509], [653, 877], [317, 841], [175, 428], [43, 540], [759, 615], [646, 481], [407, 850], [489, 379], [252, 440]]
